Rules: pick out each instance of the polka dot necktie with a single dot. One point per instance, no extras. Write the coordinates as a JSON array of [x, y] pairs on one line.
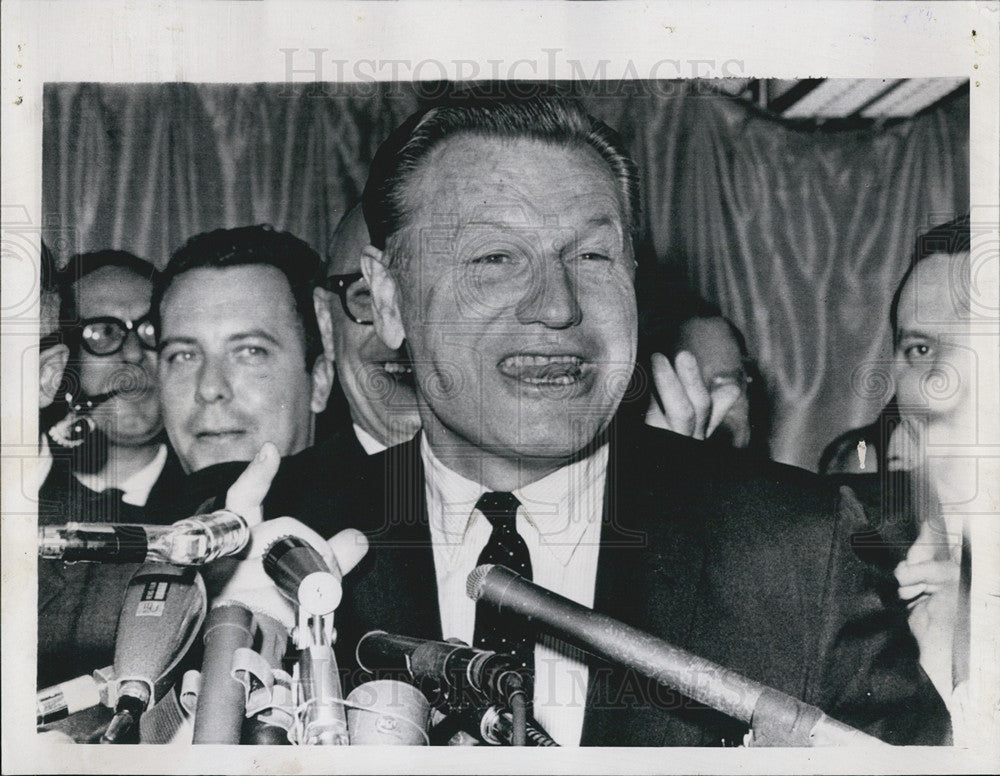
[[497, 631]]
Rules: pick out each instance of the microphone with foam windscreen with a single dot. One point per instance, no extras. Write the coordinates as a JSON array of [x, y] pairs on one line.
[[163, 609], [776, 718]]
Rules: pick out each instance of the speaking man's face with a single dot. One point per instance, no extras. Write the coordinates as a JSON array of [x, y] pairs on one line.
[[513, 285], [232, 366]]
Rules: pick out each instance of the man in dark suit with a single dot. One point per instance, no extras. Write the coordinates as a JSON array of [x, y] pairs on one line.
[[502, 253]]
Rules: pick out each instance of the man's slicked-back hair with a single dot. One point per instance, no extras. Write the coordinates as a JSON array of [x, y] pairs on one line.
[[249, 245], [951, 238], [555, 120]]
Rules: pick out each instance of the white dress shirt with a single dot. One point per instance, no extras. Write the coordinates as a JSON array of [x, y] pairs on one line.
[[560, 521], [135, 489], [370, 444]]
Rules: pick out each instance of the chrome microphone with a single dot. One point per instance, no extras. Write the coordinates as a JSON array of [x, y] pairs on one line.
[[304, 576], [193, 541]]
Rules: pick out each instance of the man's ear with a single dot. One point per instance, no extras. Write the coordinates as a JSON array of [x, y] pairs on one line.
[[51, 363], [322, 382], [385, 297], [322, 299]]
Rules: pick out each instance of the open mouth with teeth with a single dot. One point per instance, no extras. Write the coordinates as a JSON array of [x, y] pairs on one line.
[[400, 371], [543, 370]]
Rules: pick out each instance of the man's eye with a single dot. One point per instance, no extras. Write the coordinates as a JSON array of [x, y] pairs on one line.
[[251, 351], [179, 356], [594, 256], [492, 259], [920, 351]]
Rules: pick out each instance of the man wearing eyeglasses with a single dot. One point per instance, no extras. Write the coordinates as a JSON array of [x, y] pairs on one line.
[[377, 382], [112, 370], [126, 473]]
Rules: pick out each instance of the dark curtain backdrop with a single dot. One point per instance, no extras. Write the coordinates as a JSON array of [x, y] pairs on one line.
[[799, 236]]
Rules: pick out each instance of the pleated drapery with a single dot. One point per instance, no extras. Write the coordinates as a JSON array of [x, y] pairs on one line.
[[799, 236]]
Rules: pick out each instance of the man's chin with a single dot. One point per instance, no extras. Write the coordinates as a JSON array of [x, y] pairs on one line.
[[134, 437], [200, 455]]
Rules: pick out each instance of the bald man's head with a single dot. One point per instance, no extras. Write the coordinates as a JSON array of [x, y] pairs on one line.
[[376, 380], [349, 239]]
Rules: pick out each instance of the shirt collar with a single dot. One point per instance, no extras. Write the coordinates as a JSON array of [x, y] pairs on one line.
[[136, 488], [370, 444], [560, 507]]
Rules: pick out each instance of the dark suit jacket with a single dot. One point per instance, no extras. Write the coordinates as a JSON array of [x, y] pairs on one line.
[[745, 563]]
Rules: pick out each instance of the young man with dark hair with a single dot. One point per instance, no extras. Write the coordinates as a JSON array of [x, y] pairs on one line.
[[241, 357]]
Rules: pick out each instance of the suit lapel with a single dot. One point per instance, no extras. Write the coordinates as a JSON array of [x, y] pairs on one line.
[[399, 581], [654, 591]]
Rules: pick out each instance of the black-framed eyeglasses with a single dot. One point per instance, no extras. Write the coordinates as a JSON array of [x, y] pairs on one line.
[[106, 335], [355, 296]]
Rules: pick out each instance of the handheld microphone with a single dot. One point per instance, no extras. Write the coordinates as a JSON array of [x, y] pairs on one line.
[[462, 675], [193, 541], [776, 717], [163, 610]]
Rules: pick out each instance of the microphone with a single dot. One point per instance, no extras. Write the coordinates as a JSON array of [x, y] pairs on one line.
[[776, 718], [221, 700], [193, 541], [304, 576], [67, 698], [388, 713], [496, 727], [163, 610], [463, 675]]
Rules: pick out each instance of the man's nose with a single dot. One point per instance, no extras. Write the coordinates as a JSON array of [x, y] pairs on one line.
[[552, 297], [132, 350], [213, 382]]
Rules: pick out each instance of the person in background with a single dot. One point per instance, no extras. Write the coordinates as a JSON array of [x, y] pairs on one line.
[[934, 370], [127, 473], [701, 374], [923, 537], [112, 368], [373, 405], [241, 358]]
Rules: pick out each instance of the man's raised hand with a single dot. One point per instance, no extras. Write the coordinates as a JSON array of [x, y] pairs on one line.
[[681, 403]]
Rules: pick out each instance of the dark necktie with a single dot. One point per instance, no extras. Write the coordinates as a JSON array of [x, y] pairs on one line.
[[106, 506], [502, 632]]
